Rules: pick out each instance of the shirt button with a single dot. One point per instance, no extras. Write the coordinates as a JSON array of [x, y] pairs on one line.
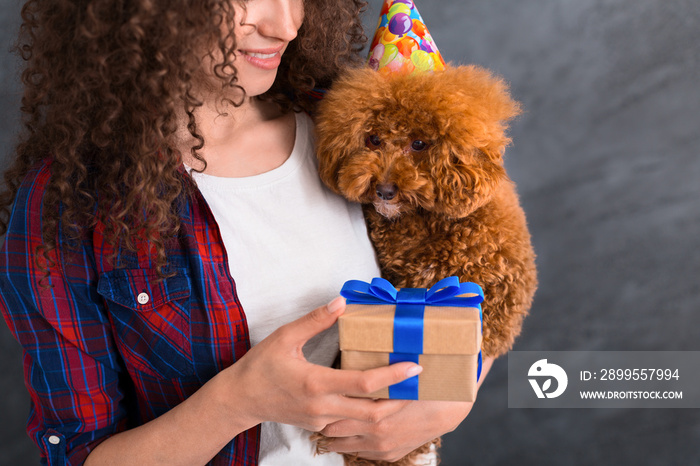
[[54, 440], [142, 298]]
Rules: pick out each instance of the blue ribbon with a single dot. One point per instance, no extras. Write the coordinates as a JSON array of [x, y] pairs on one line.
[[408, 321], [407, 389]]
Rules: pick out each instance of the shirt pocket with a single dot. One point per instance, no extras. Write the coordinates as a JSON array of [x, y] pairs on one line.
[[151, 319]]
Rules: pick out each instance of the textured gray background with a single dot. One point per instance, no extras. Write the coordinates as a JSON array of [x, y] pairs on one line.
[[606, 159]]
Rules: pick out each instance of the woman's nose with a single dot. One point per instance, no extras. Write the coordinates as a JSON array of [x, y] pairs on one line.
[[280, 19]]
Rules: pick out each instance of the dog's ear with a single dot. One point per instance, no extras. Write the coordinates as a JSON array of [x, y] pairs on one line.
[[342, 119], [330, 149], [473, 123], [465, 179], [329, 154], [482, 109]]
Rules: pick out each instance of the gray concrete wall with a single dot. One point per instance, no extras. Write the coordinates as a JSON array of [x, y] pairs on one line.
[[15, 446], [606, 159]]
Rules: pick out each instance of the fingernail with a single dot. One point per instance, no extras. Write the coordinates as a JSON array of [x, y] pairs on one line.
[[335, 305], [414, 371]]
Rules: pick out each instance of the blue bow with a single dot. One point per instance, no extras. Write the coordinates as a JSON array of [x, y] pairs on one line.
[[408, 320]]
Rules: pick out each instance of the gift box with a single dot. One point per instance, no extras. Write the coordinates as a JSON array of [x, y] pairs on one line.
[[439, 328]]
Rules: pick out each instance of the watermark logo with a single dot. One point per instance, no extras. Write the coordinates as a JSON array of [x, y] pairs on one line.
[[603, 379], [543, 370]]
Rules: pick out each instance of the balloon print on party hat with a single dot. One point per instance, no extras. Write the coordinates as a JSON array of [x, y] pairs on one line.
[[402, 43]]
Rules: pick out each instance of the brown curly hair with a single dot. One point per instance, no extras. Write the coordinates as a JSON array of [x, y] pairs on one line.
[[104, 82]]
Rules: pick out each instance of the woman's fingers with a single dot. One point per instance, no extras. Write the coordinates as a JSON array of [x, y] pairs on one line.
[[387, 449], [291, 390], [360, 383], [365, 412], [397, 434], [298, 332], [356, 383], [344, 387]]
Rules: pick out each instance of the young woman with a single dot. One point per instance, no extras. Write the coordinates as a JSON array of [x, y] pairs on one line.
[[168, 237]]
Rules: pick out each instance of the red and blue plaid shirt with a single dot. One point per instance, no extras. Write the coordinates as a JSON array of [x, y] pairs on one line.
[[107, 349]]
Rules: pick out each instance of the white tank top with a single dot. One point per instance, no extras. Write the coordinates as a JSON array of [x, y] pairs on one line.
[[291, 245]]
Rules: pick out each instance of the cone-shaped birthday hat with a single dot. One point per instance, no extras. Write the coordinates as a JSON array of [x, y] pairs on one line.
[[402, 43]]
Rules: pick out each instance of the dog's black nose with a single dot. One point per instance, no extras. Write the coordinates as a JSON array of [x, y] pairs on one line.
[[386, 191]]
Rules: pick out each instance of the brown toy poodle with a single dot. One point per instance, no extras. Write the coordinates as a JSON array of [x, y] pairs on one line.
[[424, 154]]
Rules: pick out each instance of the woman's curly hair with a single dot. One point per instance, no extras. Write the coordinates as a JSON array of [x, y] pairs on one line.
[[104, 83]]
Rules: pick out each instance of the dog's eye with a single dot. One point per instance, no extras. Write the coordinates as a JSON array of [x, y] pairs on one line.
[[373, 141], [419, 145]]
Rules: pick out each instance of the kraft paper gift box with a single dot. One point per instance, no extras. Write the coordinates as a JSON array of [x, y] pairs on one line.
[[439, 328]]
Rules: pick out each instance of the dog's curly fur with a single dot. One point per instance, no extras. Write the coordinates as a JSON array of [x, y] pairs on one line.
[[441, 206]]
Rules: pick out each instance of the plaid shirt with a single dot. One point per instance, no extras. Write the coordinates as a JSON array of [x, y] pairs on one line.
[[107, 349]]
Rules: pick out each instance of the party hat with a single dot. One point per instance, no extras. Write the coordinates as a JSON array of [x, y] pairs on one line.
[[402, 43]]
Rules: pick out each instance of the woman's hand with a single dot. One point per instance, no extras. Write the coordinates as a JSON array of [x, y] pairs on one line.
[[393, 437], [274, 382]]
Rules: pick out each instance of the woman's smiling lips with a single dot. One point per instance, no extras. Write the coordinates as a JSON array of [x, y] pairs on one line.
[[266, 59]]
